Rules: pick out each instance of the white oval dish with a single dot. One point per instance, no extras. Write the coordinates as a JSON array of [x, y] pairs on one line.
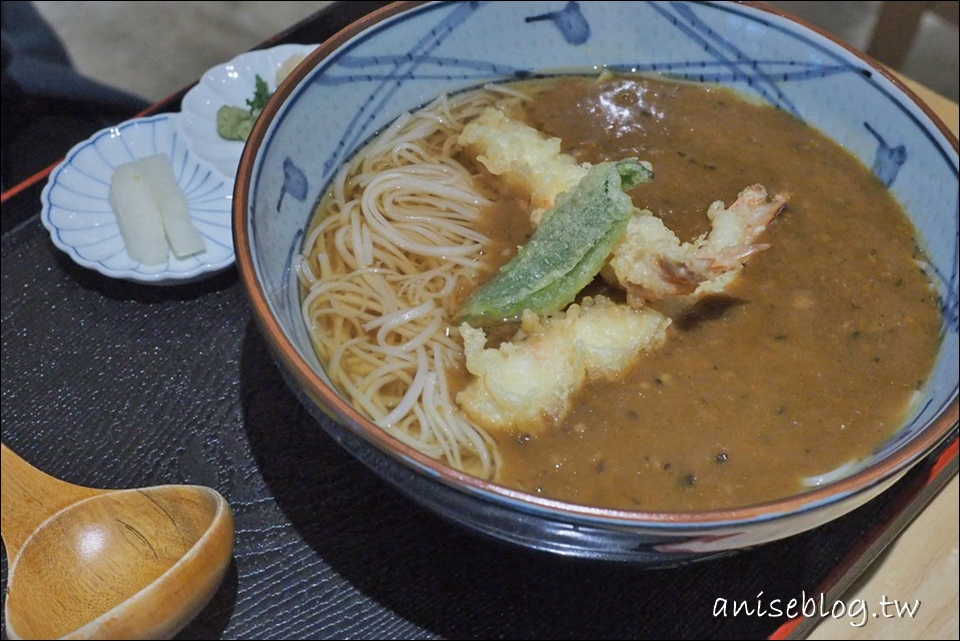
[[77, 212], [232, 83]]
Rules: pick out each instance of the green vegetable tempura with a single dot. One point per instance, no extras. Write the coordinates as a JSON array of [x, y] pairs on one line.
[[567, 250]]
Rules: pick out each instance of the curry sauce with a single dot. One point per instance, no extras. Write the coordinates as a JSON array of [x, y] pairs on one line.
[[807, 362]]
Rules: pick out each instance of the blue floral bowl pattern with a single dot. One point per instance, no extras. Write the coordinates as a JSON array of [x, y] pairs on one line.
[[77, 212], [406, 55]]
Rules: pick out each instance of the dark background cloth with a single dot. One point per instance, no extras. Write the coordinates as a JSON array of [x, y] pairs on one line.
[[45, 101]]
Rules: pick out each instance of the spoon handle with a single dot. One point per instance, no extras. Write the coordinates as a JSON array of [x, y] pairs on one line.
[[28, 497]]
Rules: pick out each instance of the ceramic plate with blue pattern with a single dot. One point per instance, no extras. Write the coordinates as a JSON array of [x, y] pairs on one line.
[[232, 84], [77, 212]]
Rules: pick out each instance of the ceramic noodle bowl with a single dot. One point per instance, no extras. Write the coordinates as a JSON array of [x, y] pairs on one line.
[[404, 56]]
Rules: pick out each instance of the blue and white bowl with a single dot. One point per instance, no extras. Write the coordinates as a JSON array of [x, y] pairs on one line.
[[403, 56], [76, 208]]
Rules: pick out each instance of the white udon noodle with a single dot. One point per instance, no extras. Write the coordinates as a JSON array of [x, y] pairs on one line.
[[393, 242]]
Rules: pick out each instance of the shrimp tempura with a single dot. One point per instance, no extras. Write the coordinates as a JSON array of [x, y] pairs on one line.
[[650, 263]]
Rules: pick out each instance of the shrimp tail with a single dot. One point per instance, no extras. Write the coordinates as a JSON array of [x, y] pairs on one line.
[[686, 275], [651, 264]]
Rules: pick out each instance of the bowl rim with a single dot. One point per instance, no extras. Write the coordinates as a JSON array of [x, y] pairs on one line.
[[889, 468]]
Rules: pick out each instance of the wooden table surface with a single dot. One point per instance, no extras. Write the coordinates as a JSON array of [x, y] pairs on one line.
[[922, 563]]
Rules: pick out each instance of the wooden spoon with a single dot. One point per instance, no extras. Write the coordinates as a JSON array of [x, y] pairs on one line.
[[108, 564]]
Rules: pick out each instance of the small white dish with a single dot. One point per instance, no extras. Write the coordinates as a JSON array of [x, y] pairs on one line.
[[77, 212], [232, 83]]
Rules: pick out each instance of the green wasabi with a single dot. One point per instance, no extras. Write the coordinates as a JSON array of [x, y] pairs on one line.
[[236, 123], [567, 250]]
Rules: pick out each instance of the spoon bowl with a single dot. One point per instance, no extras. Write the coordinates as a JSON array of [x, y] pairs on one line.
[[89, 563]]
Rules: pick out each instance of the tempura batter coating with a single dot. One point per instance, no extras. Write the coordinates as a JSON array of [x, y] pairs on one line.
[[526, 384], [528, 161], [650, 263]]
